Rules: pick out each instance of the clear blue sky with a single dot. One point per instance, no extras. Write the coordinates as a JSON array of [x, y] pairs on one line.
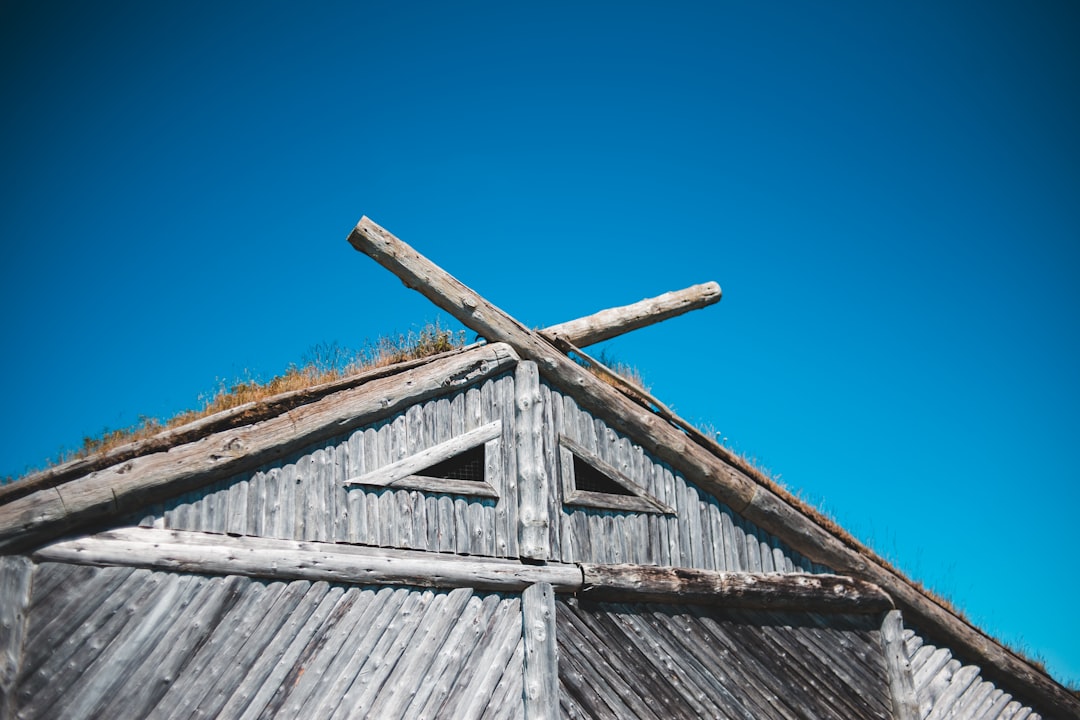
[[889, 194]]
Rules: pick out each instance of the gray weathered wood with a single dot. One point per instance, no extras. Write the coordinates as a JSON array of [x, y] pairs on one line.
[[403, 474], [29, 520], [16, 574], [711, 467], [901, 678], [541, 669], [288, 559], [532, 482], [641, 501], [812, 593], [613, 322]]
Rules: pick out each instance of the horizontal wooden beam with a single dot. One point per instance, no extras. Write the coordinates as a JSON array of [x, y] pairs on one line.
[[613, 322], [197, 552], [28, 521], [194, 552], [778, 591]]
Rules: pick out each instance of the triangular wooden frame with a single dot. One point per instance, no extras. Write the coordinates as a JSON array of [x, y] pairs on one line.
[[637, 501], [407, 473]]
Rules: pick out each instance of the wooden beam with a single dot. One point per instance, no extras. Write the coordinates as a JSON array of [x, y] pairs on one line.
[[613, 322], [540, 674], [16, 580], [28, 521], [182, 551], [778, 591], [714, 470]]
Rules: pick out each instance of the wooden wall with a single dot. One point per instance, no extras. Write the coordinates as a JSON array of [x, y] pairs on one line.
[[306, 498], [668, 661], [947, 688], [123, 642]]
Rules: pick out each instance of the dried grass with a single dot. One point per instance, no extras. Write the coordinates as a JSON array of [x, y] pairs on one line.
[[323, 363]]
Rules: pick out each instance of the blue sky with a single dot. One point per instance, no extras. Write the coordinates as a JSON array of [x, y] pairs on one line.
[[889, 195]]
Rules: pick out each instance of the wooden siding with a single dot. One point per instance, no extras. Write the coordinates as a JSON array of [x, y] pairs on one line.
[[947, 688], [306, 496], [703, 533], [670, 661], [123, 642]]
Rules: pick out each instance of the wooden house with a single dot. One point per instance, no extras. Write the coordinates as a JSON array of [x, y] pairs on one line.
[[492, 532]]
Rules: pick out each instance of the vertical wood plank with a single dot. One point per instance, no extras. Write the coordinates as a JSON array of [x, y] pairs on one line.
[[898, 666], [533, 486], [541, 666], [16, 573]]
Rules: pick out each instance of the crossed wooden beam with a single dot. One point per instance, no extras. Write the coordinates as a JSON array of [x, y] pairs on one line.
[[733, 481]]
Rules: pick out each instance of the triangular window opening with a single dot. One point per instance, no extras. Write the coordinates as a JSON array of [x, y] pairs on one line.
[[588, 478], [468, 466]]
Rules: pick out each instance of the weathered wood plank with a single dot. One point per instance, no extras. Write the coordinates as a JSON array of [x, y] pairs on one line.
[[901, 678], [642, 583], [287, 559], [541, 670], [16, 579], [533, 520]]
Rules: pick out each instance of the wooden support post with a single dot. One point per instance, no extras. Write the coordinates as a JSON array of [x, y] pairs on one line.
[[16, 574], [533, 485], [901, 679], [613, 322], [541, 667]]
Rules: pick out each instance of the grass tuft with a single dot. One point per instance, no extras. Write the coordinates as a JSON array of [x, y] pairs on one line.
[[323, 363]]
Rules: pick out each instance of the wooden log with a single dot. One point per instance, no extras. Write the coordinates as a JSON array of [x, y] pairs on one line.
[[31, 520], [905, 704], [293, 560], [613, 322], [532, 480], [712, 468], [16, 575], [541, 664], [794, 591]]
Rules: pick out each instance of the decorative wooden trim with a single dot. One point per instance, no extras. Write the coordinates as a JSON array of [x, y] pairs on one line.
[[641, 501], [31, 520], [532, 481], [195, 552], [402, 475], [712, 468], [540, 673], [613, 322], [901, 680]]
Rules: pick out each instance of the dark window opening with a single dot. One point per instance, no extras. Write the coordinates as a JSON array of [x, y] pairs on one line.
[[468, 466], [588, 478]]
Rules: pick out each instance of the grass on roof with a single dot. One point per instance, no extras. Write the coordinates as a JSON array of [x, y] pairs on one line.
[[323, 363]]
